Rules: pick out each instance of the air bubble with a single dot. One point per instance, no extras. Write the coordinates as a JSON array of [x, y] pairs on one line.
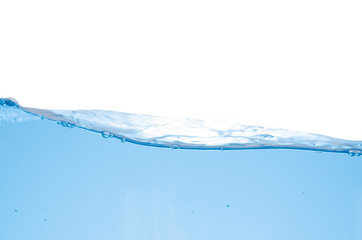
[[106, 134], [222, 149], [123, 140], [351, 153], [66, 124], [42, 117]]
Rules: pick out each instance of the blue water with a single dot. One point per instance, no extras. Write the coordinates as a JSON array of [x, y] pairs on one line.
[[59, 180]]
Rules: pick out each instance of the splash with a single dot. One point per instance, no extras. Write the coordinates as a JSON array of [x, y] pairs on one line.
[[180, 133]]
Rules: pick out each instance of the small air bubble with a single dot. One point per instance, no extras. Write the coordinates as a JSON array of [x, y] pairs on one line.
[[45, 219], [227, 205], [193, 212], [16, 210], [123, 140], [42, 117], [221, 149], [106, 134], [352, 153]]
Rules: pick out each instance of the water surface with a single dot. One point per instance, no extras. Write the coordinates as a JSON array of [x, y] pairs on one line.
[[64, 180]]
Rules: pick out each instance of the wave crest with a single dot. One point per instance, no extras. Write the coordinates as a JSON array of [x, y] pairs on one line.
[[185, 133]]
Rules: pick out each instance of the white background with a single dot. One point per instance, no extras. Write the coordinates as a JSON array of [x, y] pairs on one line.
[[287, 64]]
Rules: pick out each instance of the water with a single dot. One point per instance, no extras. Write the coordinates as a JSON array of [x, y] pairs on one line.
[[62, 181]]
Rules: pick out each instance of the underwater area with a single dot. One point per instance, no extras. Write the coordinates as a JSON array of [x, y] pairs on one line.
[[107, 175]]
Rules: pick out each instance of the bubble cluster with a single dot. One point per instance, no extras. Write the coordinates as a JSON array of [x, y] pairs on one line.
[[353, 153], [62, 123]]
